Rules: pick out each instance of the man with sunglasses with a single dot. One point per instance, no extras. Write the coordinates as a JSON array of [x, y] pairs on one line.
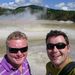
[[57, 45], [14, 61]]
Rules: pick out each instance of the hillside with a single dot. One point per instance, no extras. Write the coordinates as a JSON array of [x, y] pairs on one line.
[[5, 11], [43, 12]]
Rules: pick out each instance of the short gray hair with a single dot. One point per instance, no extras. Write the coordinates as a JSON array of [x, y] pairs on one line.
[[16, 35]]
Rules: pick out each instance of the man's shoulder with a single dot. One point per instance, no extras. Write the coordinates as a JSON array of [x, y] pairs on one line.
[[1, 65], [49, 64], [69, 69]]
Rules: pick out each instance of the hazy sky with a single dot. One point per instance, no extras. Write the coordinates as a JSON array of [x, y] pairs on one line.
[[55, 4]]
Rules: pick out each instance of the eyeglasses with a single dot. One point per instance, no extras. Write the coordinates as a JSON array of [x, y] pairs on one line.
[[58, 46], [15, 50]]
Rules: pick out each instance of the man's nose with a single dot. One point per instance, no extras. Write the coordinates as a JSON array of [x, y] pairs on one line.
[[19, 52], [55, 49]]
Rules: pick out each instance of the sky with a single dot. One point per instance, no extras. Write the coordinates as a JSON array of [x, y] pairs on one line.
[[54, 4]]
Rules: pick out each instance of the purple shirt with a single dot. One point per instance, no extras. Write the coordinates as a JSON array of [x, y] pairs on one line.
[[7, 69]]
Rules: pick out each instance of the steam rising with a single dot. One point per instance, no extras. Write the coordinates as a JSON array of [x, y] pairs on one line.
[[29, 23]]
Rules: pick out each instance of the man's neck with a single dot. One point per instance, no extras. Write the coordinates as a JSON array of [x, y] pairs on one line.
[[60, 66], [20, 68]]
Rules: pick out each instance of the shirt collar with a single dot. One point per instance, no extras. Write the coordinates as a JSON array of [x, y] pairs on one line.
[[7, 64]]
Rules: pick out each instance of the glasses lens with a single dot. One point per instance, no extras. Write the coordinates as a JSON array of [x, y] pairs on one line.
[[24, 49], [50, 46], [15, 50], [60, 45]]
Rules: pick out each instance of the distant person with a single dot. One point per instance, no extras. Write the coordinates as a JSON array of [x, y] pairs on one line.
[[14, 61], [58, 49]]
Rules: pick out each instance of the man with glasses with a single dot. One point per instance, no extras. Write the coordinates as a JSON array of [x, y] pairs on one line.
[[57, 45], [14, 61]]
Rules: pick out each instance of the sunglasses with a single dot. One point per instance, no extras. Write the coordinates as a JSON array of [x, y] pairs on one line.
[[58, 46], [15, 50]]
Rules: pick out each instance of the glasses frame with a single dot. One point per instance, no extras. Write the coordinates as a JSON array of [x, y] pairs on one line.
[[59, 45]]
